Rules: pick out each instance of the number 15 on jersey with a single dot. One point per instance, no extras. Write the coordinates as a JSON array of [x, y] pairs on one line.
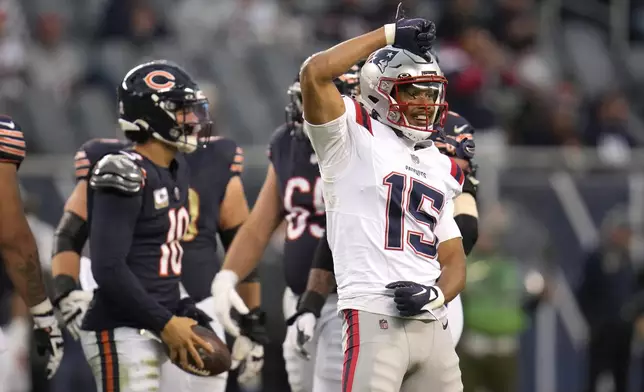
[[409, 196]]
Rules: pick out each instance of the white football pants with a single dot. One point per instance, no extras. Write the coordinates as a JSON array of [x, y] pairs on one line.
[[172, 378], [323, 372]]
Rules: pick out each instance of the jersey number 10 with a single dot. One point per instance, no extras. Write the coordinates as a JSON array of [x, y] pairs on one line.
[[171, 251], [404, 198]]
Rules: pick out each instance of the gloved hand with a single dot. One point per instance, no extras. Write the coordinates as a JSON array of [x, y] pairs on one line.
[[415, 35], [226, 297], [248, 350], [72, 302], [73, 306], [309, 308], [413, 298], [304, 326], [47, 335]]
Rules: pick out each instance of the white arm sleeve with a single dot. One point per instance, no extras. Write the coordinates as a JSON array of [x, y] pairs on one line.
[[332, 142], [446, 229]]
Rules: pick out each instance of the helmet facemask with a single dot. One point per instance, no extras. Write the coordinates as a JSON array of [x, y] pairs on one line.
[[294, 109], [192, 123], [417, 105]]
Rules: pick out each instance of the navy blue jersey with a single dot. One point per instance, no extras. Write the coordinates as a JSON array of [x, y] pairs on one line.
[[300, 186], [155, 253], [93, 150], [211, 168]]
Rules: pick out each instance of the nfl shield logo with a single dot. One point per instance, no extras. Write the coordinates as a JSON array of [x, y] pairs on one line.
[[415, 159], [384, 324]]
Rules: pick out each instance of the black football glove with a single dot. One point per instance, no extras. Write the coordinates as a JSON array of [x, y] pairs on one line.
[[413, 298], [188, 308], [248, 350], [415, 35]]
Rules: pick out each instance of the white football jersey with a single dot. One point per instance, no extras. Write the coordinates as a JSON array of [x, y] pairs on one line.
[[387, 205]]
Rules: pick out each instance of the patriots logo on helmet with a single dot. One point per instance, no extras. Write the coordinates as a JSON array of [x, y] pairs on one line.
[[382, 58]]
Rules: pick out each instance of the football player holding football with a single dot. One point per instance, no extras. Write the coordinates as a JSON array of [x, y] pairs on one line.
[[217, 207], [137, 213]]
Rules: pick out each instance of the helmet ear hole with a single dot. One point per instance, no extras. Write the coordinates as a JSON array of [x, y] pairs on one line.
[[373, 99]]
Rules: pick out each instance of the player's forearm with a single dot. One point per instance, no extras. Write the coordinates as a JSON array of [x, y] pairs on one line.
[[452, 259], [69, 240], [321, 281], [321, 277], [23, 265], [251, 293], [247, 248], [466, 218], [452, 280], [66, 263], [122, 286], [331, 63]]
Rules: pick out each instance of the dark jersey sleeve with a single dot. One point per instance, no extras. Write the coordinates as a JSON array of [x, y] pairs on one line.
[[276, 139], [323, 258], [91, 152], [12, 142], [109, 249]]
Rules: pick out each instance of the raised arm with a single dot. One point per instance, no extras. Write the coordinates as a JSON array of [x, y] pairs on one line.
[[321, 99]]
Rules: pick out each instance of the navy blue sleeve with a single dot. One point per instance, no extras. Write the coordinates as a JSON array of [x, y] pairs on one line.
[[109, 249], [323, 258]]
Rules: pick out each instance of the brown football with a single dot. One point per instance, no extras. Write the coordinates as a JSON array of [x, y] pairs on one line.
[[214, 363]]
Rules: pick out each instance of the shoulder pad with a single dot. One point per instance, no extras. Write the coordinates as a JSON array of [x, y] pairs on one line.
[[91, 151], [117, 172]]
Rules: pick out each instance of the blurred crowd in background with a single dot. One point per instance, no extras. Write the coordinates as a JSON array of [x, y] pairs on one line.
[[553, 299]]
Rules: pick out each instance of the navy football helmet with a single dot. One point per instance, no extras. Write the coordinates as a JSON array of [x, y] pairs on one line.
[[456, 139], [348, 84], [161, 100]]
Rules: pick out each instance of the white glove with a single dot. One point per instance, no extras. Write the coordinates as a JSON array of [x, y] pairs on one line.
[[226, 297], [248, 356], [304, 331], [48, 336], [73, 306]]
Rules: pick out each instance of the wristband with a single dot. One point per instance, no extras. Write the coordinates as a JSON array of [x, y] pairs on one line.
[[390, 33]]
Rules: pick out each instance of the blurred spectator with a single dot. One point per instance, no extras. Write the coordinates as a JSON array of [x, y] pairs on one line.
[[608, 129], [503, 289], [347, 19], [134, 21], [474, 63], [548, 122], [608, 283], [55, 65], [13, 41]]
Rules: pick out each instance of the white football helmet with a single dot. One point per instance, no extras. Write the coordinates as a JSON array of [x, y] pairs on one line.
[[391, 81]]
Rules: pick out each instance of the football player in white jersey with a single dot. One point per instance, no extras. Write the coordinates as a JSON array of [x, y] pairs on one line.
[[388, 194]]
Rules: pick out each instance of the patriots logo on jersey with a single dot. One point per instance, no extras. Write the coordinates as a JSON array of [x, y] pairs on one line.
[[382, 58]]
